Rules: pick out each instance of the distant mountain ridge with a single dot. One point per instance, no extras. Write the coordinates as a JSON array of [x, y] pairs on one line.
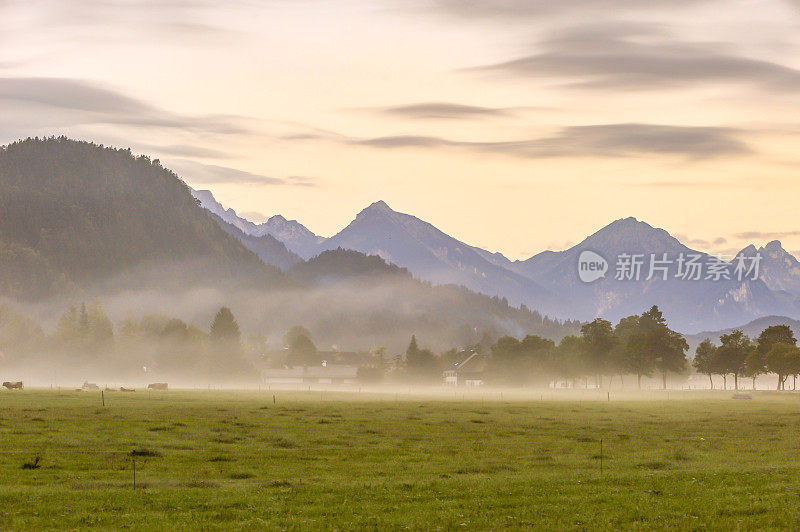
[[688, 303], [297, 238], [778, 268], [268, 248], [549, 283], [434, 256]]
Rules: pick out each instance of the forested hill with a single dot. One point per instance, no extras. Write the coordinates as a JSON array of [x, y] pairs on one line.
[[370, 295], [74, 215]]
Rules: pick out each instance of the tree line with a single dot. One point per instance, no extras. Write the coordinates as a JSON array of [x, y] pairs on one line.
[[84, 338], [85, 342], [640, 345], [775, 351]]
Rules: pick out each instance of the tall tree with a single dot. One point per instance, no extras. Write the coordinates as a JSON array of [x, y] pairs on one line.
[[227, 359], [783, 359], [599, 341], [569, 358], [669, 351], [772, 335], [301, 348], [421, 364], [224, 327], [757, 360], [666, 347], [704, 359], [628, 355], [733, 352]]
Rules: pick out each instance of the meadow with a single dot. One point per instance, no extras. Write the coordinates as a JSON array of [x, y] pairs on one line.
[[390, 461]]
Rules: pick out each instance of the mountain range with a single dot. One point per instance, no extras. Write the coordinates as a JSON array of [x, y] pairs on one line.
[[77, 218], [292, 233], [549, 281], [80, 222]]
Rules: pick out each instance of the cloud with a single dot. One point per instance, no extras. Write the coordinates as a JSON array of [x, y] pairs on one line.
[[678, 184], [301, 181], [611, 140], [209, 174], [443, 110], [83, 102], [765, 235], [254, 216], [70, 94], [192, 21], [639, 57], [701, 242], [212, 174], [515, 10], [186, 150]]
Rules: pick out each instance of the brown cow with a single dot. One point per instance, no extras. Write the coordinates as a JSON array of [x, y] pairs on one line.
[[157, 386], [13, 385], [124, 389]]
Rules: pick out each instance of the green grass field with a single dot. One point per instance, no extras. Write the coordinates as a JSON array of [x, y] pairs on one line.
[[352, 461]]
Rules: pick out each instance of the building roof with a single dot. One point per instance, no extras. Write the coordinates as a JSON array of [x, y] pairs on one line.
[[475, 363]]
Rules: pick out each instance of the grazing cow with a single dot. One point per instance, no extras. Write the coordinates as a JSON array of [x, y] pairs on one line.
[[124, 389], [157, 386], [13, 385], [90, 386]]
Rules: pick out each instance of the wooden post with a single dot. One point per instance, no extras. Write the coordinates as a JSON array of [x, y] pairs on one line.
[[601, 456], [103, 397], [273, 398], [133, 460]]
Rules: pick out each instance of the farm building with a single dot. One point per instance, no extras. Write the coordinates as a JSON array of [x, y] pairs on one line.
[[468, 372]]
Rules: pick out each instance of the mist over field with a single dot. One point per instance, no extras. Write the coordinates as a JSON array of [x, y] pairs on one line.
[[381, 265], [125, 276]]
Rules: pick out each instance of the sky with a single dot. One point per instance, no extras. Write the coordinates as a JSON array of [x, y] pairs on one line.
[[513, 125]]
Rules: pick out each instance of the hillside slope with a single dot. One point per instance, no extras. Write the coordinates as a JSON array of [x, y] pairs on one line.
[[378, 303], [78, 215]]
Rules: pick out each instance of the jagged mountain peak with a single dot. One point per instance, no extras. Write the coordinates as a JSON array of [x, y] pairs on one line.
[[631, 235], [749, 251], [630, 221], [434, 256], [294, 235], [775, 246], [378, 207]]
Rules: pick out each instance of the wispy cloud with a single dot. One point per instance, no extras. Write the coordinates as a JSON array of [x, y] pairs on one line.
[[701, 243], [515, 10], [301, 181], [209, 174], [677, 184], [84, 102], [171, 20], [186, 150], [639, 57], [617, 140], [444, 110], [766, 235], [254, 216]]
